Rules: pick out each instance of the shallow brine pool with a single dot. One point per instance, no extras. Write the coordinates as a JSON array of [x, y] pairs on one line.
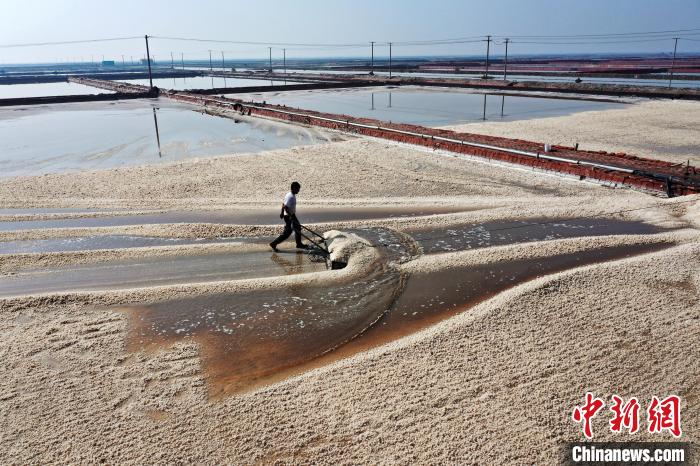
[[69, 137], [12, 91], [427, 106]]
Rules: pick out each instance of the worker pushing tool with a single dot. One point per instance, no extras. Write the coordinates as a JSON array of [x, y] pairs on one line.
[[289, 215]]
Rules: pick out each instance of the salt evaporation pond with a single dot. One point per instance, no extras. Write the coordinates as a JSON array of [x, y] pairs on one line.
[[427, 107], [206, 82], [498, 74], [12, 91], [68, 137]]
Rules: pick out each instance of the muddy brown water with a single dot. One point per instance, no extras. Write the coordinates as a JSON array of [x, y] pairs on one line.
[[237, 217], [428, 298], [249, 338], [253, 338], [503, 232]]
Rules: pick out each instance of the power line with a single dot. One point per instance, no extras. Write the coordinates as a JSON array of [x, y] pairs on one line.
[[595, 43], [279, 44], [86, 41], [428, 43], [580, 39], [647, 33]]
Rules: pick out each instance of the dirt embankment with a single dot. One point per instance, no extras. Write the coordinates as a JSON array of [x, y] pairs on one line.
[[662, 129]]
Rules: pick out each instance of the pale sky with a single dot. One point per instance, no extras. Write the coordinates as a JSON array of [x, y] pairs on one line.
[[332, 22]]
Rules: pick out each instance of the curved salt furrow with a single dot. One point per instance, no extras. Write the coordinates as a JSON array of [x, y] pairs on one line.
[[256, 337], [504, 232], [248, 337]]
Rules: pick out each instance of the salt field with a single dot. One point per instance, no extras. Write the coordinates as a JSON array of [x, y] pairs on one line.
[[68, 137], [429, 107], [336, 266]]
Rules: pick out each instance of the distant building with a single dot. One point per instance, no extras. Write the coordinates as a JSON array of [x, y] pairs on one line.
[[107, 62], [145, 62]]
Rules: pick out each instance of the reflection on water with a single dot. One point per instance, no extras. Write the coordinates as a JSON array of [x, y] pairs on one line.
[[68, 137], [155, 120], [428, 107]]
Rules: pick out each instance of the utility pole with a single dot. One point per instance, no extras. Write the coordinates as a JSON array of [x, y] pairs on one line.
[[270, 49], [148, 59], [172, 61], [223, 61], [372, 60], [211, 67], [132, 59], [673, 63], [182, 59], [123, 61], [505, 77], [284, 61], [390, 60], [505, 64], [488, 46]]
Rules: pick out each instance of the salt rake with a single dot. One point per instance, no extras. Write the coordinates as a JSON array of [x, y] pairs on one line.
[[320, 253]]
